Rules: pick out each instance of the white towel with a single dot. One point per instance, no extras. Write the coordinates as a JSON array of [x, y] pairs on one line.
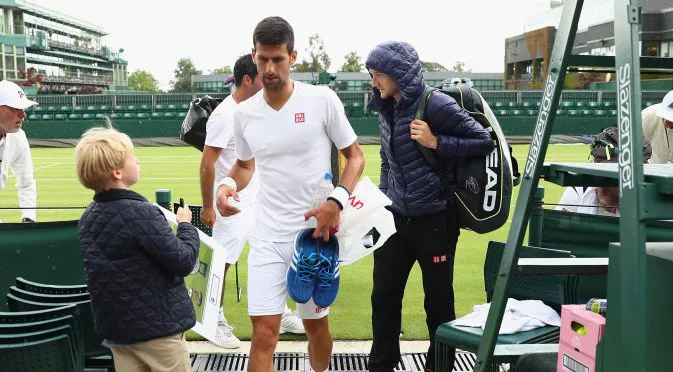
[[519, 316]]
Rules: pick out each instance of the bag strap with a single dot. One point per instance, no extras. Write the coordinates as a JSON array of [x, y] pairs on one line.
[[431, 155]]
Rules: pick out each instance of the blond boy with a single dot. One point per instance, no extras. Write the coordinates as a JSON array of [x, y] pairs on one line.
[[134, 263]]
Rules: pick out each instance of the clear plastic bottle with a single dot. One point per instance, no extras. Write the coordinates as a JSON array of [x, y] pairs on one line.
[[322, 192]]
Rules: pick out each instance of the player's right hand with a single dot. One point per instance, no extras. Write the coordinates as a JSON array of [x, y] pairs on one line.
[[184, 214], [208, 216], [222, 201]]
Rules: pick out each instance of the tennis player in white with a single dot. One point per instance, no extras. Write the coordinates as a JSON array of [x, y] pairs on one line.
[[218, 156], [285, 133]]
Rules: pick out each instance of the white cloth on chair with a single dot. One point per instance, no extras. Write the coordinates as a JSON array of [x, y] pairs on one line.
[[519, 316]]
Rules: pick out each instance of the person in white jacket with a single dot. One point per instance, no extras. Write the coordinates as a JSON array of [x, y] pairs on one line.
[[658, 129], [14, 149]]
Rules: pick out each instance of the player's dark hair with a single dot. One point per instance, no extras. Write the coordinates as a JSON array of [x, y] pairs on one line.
[[244, 66], [273, 31]]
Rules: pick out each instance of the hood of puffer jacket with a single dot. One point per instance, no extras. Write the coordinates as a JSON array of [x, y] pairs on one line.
[[400, 62]]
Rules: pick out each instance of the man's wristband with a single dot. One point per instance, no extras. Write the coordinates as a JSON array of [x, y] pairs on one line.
[[340, 196], [229, 182]]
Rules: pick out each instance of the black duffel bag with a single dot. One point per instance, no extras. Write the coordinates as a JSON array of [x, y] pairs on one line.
[[193, 129]]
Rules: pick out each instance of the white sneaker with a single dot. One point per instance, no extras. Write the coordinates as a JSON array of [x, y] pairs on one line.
[[224, 337], [290, 323]]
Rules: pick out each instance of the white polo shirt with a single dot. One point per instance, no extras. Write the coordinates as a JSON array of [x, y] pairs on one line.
[[292, 149], [220, 134], [582, 200], [659, 136]]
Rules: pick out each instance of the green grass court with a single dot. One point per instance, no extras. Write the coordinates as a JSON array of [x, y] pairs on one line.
[[176, 168]]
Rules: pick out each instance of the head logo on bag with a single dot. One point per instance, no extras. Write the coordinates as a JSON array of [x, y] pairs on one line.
[[472, 185], [483, 185], [193, 129]]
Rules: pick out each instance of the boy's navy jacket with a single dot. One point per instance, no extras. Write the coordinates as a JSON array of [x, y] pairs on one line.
[[135, 266], [406, 177]]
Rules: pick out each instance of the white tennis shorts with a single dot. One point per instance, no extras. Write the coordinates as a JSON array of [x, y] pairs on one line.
[[268, 263], [232, 232]]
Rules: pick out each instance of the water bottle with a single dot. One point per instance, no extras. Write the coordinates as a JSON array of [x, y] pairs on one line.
[[322, 192]]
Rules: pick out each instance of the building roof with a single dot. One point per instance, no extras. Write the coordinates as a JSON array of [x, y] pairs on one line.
[[43, 12], [594, 12]]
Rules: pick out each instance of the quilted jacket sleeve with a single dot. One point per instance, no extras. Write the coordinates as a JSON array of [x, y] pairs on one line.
[[458, 134], [383, 181], [175, 253]]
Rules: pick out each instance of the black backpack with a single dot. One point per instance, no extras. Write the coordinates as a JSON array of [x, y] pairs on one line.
[[193, 129], [605, 146], [483, 185]]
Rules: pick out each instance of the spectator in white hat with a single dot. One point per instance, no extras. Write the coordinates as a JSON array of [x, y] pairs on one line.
[[658, 129], [14, 149]]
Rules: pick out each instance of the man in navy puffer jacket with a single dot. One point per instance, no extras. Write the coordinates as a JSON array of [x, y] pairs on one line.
[[427, 231]]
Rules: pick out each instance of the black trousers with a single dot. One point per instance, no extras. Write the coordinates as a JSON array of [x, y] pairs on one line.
[[424, 239]]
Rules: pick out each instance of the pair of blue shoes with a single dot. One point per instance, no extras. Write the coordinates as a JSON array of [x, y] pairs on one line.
[[314, 270]]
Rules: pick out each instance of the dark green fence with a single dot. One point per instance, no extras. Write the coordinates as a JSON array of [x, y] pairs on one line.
[[73, 129], [46, 252], [364, 126]]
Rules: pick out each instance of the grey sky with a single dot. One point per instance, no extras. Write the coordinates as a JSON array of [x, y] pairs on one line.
[[155, 34]]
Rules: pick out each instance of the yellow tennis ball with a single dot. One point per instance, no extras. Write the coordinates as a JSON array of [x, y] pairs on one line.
[[578, 328]]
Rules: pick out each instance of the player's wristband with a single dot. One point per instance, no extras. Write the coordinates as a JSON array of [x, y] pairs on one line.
[[340, 196], [229, 182]]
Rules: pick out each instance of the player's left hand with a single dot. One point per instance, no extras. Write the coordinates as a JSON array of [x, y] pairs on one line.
[[327, 215], [420, 131]]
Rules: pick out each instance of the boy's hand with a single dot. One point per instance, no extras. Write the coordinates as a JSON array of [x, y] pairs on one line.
[[208, 216], [184, 214], [222, 201], [327, 215]]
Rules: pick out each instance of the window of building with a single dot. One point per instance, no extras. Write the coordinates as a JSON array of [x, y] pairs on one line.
[[511, 71], [666, 49], [9, 62], [651, 49]]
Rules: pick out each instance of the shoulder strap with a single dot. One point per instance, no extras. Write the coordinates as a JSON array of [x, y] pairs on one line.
[[430, 155]]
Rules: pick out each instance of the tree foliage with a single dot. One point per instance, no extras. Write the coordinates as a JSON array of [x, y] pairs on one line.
[[226, 70], [318, 59], [143, 81], [183, 75], [352, 63], [459, 66], [32, 77], [432, 67]]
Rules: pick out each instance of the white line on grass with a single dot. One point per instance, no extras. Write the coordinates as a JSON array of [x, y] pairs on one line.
[[37, 169], [72, 161], [46, 166], [142, 157], [142, 179]]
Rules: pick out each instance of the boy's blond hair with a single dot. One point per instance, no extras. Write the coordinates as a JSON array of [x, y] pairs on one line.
[[98, 153]]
